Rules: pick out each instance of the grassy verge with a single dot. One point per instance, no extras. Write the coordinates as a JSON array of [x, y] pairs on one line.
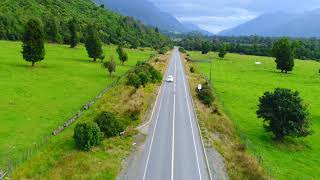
[[59, 159], [35, 101], [219, 132], [238, 84]]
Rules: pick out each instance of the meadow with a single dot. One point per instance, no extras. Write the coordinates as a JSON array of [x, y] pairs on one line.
[[238, 83], [36, 100]]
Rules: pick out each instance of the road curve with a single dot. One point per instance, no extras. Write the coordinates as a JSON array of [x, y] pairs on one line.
[[173, 150]]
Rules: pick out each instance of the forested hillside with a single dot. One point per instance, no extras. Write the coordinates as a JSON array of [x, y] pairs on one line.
[[55, 15]]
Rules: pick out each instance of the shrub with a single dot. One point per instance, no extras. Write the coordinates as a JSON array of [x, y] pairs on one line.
[[87, 135], [182, 50], [192, 70], [134, 80], [144, 78], [284, 114], [109, 124], [156, 76], [205, 95]]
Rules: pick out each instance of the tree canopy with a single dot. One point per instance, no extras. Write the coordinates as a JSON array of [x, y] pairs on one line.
[[283, 53]]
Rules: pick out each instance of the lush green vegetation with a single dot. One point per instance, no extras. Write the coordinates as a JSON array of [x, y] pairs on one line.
[[251, 45], [36, 100], [60, 159], [56, 15], [239, 82]]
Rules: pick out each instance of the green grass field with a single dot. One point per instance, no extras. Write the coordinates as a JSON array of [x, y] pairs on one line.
[[239, 82], [35, 101]]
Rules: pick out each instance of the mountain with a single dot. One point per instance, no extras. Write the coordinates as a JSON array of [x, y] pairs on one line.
[[55, 14], [194, 28], [149, 14], [280, 24]]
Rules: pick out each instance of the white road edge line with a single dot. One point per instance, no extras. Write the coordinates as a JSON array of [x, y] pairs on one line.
[[192, 131], [203, 148], [163, 87], [173, 119]]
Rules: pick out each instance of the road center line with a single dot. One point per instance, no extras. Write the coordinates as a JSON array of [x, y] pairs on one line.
[[192, 131], [173, 119], [155, 126]]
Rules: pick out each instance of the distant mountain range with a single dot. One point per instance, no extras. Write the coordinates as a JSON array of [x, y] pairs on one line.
[[280, 24], [149, 14]]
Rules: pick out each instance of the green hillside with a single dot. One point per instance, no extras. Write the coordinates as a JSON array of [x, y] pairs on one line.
[[55, 15]]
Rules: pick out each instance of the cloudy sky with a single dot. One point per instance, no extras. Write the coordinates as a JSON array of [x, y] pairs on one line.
[[217, 15]]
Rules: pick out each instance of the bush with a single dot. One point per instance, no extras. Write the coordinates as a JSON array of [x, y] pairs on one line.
[[205, 95], [134, 80], [192, 70], [284, 114], [87, 135], [143, 74], [109, 124], [182, 50]]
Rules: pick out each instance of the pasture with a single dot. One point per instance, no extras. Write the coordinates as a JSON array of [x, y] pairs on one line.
[[36, 100], [239, 81]]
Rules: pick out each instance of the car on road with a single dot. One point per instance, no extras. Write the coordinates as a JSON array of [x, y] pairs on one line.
[[170, 78]]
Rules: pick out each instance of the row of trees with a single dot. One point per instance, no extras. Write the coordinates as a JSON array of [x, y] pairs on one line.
[[33, 48], [252, 45]]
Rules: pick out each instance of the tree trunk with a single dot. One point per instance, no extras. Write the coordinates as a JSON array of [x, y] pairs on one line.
[[94, 59], [32, 63]]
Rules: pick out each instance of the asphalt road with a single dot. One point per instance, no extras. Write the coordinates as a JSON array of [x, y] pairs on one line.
[[173, 150]]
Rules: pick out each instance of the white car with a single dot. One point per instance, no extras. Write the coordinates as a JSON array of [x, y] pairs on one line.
[[170, 78]]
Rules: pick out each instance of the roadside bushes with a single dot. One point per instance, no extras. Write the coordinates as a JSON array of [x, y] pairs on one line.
[[182, 50], [90, 134], [109, 124], [143, 74], [205, 95], [87, 135]]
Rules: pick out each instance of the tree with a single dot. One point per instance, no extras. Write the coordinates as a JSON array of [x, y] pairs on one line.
[[93, 43], [144, 78], [283, 53], [110, 65], [205, 48], [33, 49], [222, 51], [51, 29], [284, 114], [73, 28], [109, 124], [87, 135], [123, 56]]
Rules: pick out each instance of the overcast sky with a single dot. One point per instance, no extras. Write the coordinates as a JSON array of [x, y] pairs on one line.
[[217, 15]]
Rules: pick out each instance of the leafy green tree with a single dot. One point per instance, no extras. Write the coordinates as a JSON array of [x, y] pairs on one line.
[[284, 114], [144, 78], [73, 28], [283, 53], [109, 124], [205, 47], [110, 65], [222, 51], [51, 29], [33, 49], [93, 43], [123, 56], [87, 135]]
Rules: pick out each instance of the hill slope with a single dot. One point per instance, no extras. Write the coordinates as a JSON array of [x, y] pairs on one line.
[[148, 13], [280, 24], [114, 28]]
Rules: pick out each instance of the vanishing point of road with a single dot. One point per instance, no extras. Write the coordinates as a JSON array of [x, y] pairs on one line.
[[173, 150]]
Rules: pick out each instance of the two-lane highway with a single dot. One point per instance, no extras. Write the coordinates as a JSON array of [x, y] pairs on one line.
[[173, 150]]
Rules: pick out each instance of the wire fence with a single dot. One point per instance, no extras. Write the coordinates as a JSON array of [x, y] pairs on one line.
[[10, 164]]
